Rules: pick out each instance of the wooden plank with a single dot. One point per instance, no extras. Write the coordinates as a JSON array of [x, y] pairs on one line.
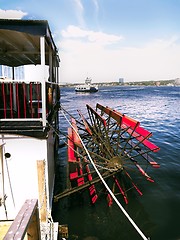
[[27, 221], [145, 155], [81, 187], [75, 136], [71, 155], [92, 189], [119, 117], [110, 112], [42, 190], [73, 171], [132, 126], [121, 189], [150, 145], [129, 122], [73, 168]]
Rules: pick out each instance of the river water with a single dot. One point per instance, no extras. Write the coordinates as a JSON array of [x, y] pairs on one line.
[[157, 212]]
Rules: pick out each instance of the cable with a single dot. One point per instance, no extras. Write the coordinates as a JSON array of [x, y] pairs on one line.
[[107, 187]]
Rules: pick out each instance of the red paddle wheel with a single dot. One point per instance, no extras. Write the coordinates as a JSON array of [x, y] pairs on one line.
[[116, 144]]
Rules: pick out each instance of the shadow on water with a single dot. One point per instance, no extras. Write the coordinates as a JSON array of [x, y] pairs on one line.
[[99, 221]]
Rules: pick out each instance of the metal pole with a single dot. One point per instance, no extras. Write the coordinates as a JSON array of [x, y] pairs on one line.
[[43, 83]]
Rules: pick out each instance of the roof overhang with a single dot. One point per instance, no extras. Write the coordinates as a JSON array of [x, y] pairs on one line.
[[20, 42]]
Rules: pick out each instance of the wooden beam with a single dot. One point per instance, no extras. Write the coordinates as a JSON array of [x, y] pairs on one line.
[[26, 222], [68, 192], [42, 190]]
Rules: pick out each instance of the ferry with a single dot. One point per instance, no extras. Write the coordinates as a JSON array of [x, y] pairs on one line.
[[87, 87], [28, 125]]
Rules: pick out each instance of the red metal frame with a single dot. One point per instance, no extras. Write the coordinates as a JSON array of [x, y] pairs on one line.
[[111, 155]]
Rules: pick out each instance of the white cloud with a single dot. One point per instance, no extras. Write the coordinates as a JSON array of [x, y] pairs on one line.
[[12, 14], [79, 5], [95, 2], [73, 32], [86, 52], [90, 36], [79, 10]]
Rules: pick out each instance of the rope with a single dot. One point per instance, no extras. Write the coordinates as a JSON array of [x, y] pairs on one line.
[[4, 197], [9, 178], [107, 187], [56, 132]]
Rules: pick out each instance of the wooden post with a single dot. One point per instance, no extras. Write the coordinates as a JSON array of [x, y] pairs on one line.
[[42, 190]]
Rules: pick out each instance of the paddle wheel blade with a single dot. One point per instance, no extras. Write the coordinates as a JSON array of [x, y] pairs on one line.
[[116, 144], [78, 166], [121, 189]]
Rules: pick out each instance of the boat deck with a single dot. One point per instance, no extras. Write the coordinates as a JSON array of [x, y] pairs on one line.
[[27, 128]]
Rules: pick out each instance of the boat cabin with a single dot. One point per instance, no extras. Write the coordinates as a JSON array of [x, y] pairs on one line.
[[22, 103], [28, 123]]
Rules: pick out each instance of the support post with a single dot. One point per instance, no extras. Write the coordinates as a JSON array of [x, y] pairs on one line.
[[42, 190], [43, 89]]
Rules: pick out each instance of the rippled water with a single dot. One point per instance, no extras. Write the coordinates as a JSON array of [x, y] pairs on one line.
[[157, 212]]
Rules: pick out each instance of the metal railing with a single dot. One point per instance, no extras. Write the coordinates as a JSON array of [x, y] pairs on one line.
[[21, 100]]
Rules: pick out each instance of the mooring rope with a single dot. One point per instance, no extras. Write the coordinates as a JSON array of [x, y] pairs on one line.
[[107, 187]]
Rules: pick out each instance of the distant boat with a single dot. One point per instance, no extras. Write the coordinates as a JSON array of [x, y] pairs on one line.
[[87, 87]]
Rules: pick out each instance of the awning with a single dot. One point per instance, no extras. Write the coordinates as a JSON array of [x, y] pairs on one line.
[[20, 42]]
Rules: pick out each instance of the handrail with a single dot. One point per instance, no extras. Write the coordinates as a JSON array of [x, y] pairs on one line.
[[26, 222], [20, 100]]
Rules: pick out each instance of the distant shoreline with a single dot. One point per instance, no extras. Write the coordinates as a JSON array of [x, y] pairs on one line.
[[126, 84]]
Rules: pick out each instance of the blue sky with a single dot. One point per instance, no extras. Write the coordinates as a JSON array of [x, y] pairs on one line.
[[109, 39]]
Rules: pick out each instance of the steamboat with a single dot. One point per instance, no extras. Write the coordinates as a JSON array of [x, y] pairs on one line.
[[28, 120], [102, 146]]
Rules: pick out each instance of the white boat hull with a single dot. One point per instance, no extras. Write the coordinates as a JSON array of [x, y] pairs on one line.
[[20, 178], [86, 89]]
